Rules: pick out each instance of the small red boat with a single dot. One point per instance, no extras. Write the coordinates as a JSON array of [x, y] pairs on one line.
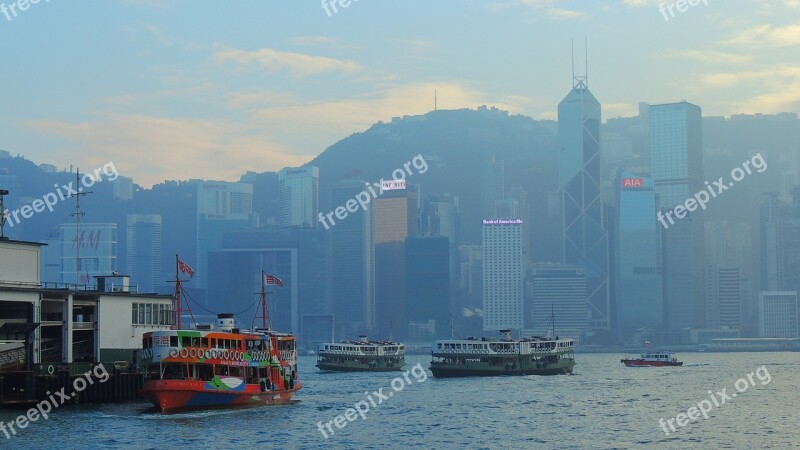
[[653, 359]]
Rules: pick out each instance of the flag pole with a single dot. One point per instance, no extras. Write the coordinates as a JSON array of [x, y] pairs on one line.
[[177, 293], [263, 300]]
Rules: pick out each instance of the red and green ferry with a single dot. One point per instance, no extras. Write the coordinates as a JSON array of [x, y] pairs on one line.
[[218, 366], [224, 368]]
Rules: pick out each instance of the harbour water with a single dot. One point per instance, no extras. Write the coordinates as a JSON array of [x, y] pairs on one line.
[[603, 405]]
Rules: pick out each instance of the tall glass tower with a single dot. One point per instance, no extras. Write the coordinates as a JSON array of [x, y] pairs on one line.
[[638, 292], [585, 237], [676, 151], [299, 196]]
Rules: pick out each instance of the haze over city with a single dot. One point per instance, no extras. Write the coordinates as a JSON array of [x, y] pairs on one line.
[[384, 224]]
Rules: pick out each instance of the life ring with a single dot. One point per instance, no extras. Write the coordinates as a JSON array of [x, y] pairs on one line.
[[184, 353], [226, 354], [51, 369], [173, 353], [213, 354], [193, 353], [240, 356], [207, 354]]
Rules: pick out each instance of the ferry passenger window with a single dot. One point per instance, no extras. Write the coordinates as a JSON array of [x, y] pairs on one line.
[[186, 341], [173, 341], [205, 342]]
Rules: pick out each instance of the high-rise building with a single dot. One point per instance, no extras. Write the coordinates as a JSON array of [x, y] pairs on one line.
[[89, 253], [723, 279], [222, 197], [428, 286], [559, 292], [518, 194], [122, 188], [729, 298], [778, 314], [440, 218], [144, 251], [585, 236], [210, 231], [396, 217], [780, 228], [299, 196], [493, 179], [676, 150], [221, 206], [352, 265], [503, 274], [638, 294]]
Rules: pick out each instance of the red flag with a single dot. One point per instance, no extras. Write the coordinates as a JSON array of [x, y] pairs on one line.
[[269, 279], [183, 267]]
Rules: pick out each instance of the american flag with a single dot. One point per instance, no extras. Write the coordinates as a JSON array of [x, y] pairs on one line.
[[269, 279], [183, 267]]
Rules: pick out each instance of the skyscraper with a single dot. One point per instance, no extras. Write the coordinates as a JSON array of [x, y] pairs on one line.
[[638, 294], [144, 251], [221, 207], [440, 217], [676, 150], [351, 265], [503, 274], [299, 196], [396, 218], [585, 236], [780, 228], [559, 291], [428, 285]]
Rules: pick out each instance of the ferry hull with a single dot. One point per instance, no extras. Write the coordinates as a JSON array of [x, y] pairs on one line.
[[341, 368], [180, 396], [450, 371], [642, 363]]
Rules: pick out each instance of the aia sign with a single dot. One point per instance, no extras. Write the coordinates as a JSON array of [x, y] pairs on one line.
[[632, 182]]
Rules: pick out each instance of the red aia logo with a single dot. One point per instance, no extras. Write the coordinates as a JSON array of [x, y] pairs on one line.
[[632, 182]]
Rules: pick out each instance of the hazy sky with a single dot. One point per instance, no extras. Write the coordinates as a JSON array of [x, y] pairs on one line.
[[211, 89]]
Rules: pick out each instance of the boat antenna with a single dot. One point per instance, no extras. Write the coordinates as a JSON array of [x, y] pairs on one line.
[[552, 325]]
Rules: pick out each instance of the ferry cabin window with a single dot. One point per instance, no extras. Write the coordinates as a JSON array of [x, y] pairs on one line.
[[204, 342], [186, 341], [173, 341]]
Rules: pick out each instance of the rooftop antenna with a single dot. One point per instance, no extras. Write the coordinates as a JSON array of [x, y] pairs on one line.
[[572, 43], [580, 82], [3, 215]]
